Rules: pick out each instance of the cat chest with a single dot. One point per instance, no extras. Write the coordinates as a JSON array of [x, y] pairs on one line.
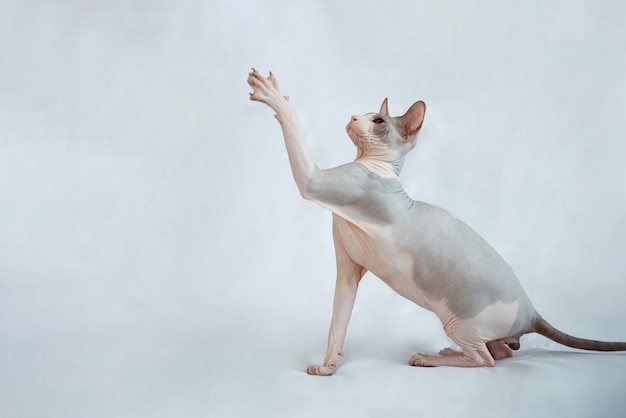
[[373, 247]]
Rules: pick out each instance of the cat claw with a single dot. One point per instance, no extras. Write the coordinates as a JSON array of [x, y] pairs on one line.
[[265, 90]]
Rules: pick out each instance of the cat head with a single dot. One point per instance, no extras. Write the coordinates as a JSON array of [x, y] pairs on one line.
[[385, 137]]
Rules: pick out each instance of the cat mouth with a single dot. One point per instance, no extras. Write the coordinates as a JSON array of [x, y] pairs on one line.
[[349, 129]]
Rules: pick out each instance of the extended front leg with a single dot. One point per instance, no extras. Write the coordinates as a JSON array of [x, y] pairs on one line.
[[349, 275], [305, 172], [331, 187]]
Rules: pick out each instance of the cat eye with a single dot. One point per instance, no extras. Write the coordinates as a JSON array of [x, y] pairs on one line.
[[379, 121]]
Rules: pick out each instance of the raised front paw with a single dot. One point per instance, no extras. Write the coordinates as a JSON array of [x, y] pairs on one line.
[[316, 370], [265, 90]]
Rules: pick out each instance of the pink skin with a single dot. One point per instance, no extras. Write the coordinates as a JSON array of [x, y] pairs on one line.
[[422, 252], [377, 246]]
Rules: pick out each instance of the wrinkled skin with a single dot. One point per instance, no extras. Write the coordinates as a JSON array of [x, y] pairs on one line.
[[422, 252]]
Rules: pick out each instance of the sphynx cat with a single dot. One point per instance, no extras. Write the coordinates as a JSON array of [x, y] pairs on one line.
[[422, 252]]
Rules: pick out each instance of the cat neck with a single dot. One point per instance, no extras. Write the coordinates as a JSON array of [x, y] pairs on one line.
[[384, 169]]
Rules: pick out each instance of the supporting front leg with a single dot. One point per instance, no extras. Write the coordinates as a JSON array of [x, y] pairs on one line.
[[345, 294], [349, 275]]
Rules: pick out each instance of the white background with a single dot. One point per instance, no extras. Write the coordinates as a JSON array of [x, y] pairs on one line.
[[156, 259]]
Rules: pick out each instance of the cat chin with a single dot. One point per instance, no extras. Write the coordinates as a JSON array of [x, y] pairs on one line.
[[356, 140], [353, 134]]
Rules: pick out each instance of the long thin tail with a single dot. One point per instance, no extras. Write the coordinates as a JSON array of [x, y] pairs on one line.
[[541, 326]]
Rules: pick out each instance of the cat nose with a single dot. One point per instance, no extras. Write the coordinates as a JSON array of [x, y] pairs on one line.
[[354, 118]]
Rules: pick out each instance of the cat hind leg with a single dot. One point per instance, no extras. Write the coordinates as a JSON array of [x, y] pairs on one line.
[[469, 357], [499, 350]]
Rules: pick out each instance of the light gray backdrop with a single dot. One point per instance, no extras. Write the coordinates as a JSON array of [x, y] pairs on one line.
[[157, 260]]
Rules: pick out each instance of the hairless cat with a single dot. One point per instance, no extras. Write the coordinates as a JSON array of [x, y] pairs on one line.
[[422, 252]]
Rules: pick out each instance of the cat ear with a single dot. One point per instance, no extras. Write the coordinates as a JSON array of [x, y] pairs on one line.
[[413, 119], [383, 108]]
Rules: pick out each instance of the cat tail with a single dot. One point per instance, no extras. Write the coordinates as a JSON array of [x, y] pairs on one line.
[[541, 326]]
